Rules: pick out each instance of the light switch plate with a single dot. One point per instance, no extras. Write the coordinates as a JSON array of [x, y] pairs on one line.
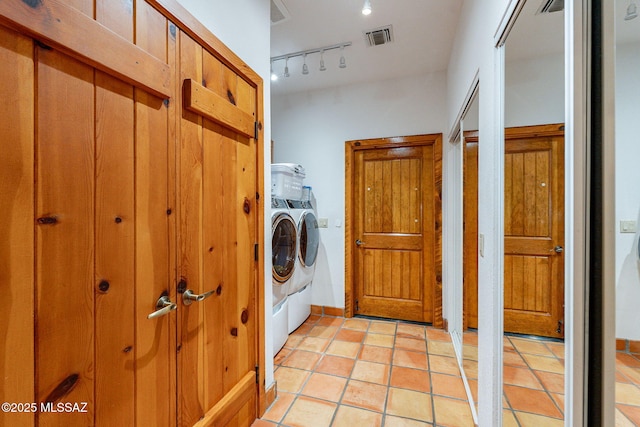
[[323, 222], [481, 244], [628, 226]]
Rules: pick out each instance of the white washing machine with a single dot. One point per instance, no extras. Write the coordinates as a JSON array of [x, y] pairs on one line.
[[283, 259], [304, 215]]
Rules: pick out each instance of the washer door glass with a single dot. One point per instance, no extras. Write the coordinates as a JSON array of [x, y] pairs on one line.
[[283, 247], [309, 239]]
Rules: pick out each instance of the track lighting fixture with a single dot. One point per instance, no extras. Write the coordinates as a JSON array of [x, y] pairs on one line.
[[366, 9], [343, 62], [632, 11], [304, 53]]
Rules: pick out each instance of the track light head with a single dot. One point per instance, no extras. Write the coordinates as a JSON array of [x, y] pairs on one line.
[[286, 68], [343, 62], [322, 67], [274, 76]]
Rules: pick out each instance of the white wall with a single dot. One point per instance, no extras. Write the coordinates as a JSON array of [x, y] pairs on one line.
[[252, 45], [627, 190], [534, 91], [311, 128], [474, 52]]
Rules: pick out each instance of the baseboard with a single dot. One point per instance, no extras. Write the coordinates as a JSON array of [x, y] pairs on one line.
[[269, 397], [628, 345], [320, 310]]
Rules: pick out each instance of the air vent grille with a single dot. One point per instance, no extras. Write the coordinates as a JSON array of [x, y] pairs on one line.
[[550, 6], [378, 36], [279, 12]]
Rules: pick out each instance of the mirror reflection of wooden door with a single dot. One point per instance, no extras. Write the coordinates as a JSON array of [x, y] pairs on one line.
[[396, 228], [534, 232]]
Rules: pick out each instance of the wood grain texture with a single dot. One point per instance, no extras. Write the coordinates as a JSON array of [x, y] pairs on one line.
[[58, 24], [233, 402], [155, 265], [17, 254], [115, 252], [393, 204], [191, 404], [200, 100], [107, 191], [65, 249]]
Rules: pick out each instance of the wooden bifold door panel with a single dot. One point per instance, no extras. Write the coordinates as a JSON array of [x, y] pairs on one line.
[[394, 233], [534, 230], [115, 197]]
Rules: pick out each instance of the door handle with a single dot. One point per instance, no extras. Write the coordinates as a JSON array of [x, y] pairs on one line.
[[559, 249], [359, 242], [164, 306], [189, 297]]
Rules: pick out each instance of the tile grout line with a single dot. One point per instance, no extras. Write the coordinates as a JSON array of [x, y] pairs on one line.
[[533, 371]]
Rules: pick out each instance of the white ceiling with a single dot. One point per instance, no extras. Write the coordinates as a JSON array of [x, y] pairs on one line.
[[423, 32], [423, 29]]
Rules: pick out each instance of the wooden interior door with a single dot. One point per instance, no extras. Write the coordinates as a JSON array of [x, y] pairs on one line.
[[91, 154], [470, 230], [396, 217], [91, 167], [218, 336], [534, 231]]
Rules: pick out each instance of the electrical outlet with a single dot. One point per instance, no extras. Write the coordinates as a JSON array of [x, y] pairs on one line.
[[323, 222], [628, 226]]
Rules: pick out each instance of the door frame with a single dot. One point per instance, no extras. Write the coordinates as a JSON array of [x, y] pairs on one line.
[[351, 147]]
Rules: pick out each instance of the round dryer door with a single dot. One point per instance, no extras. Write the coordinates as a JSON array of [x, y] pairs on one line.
[[309, 239], [283, 247]]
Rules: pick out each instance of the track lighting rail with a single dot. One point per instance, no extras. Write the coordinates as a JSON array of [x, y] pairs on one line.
[[309, 51]]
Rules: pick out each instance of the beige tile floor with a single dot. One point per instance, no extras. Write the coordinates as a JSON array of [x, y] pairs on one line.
[[346, 372]]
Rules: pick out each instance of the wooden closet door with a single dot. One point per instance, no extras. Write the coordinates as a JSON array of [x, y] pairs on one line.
[[103, 238], [217, 232]]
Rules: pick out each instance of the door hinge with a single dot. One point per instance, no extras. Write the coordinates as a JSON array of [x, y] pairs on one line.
[[255, 251], [255, 130], [357, 306], [257, 374], [560, 324]]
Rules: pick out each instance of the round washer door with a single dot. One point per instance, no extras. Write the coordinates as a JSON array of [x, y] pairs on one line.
[[309, 239], [283, 247]]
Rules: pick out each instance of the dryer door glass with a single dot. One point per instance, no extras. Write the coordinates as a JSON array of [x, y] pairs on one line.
[[283, 247], [309, 239]]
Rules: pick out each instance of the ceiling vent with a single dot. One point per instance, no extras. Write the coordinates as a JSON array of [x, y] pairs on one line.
[[378, 36], [550, 6], [279, 12]]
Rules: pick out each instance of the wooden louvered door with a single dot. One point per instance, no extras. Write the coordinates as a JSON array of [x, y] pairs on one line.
[[396, 232]]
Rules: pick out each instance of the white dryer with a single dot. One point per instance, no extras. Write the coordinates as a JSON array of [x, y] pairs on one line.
[[308, 242], [283, 259]]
